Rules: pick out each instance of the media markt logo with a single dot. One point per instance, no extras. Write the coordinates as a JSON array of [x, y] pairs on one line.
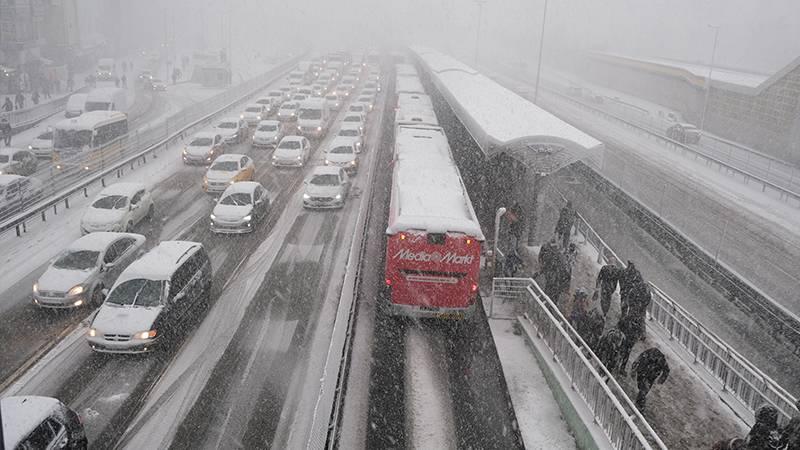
[[422, 256]]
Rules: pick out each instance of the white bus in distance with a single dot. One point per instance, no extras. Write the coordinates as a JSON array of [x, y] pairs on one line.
[[107, 99], [91, 141]]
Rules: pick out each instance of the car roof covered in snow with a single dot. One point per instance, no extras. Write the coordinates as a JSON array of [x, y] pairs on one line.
[[160, 262], [423, 163], [325, 170], [245, 187], [229, 157], [340, 141], [269, 122], [127, 189], [228, 119], [205, 134], [20, 415], [502, 121], [100, 240]]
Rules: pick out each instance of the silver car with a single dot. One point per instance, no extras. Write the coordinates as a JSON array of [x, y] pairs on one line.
[[79, 274]]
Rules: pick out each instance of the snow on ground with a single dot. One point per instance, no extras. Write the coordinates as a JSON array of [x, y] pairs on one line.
[[429, 417], [537, 412], [684, 411]]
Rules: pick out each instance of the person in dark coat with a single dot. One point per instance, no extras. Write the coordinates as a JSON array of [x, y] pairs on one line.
[[629, 279], [729, 444], [557, 277], [790, 435], [35, 97], [19, 99], [649, 367], [607, 281], [8, 105], [764, 434], [5, 131], [566, 218], [608, 348], [547, 253], [579, 315], [515, 223], [632, 326]]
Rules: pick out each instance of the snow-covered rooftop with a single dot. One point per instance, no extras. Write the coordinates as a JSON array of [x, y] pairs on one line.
[[409, 85], [99, 241], [160, 262], [719, 74], [22, 414], [126, 188], [501, 120], [407, 99], [424, 165]]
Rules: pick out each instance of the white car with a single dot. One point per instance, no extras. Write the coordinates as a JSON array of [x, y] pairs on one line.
[[287, 92], [226, 170], [42, 145], [355, 119], [366, 101], [233, 130], [372, 85], [265, 101], [78, 275], [288, 111], [299, 98], [327, 187], [293, 151], [118, 207], [318, 90], [358, 108], [157, 293], [16, 192], [254, 113], [267, 134], [17, 161], [276, 97], [240, 208], [203, 148], [354, 134], [342, 153], [333, 101]]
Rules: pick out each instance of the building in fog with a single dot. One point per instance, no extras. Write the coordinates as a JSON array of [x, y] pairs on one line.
[[761, 111]]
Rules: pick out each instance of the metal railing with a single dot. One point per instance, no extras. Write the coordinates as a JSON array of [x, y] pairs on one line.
[[613, 411], [23, 118], [735, 374], [141, 145], [746, 175]]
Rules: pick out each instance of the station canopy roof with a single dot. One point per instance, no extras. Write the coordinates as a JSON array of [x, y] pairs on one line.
[[501, 121]]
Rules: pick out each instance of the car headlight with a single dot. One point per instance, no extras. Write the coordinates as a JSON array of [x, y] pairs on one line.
[[258, 117], [338, 196], [92, 332], [77, 290], [299, 158], [213, 217], [205, 181], [327, 162], [306, 197], [35, 288], [247, 218], [149, 334], [319, 128], [274, 157], [185, 152], [241, 116], [30, 147], [353, 162]]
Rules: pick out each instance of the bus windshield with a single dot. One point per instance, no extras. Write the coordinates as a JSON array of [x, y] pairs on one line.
[[66, 139]]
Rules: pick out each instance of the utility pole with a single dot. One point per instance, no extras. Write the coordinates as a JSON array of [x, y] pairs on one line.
[[541, 48], [708, 79], [478, 31]]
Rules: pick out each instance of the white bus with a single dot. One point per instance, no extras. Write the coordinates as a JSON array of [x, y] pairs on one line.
[[91, 141]]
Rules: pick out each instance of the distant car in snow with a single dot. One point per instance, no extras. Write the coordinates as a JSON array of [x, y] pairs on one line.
[[341, 152], [155, 295], [334, 102], [293, 151], [118, 207], [353, 134], [16, 192], [42, 145], [226, 170], [355, 119], [254, 113], [685, 133], [78, 275], [288, 111], [267, 134], [17, 161], [157, 84], [233, 130], [327, 187], [203, 148], [240, 208]]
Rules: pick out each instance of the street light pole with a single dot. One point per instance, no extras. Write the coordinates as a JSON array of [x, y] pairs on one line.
[[497, 216], [708, 79], [541, 48], [478, 32]]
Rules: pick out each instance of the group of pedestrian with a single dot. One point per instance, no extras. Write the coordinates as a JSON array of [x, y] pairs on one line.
[[766, 434], [555, 269]]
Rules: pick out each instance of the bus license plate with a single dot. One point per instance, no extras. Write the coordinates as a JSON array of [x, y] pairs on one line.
[[450, 315]]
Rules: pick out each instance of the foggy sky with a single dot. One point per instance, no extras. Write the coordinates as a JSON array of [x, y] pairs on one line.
[[755, 35]]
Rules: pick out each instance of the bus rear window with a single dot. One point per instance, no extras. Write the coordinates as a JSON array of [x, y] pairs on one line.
[[436, 238]]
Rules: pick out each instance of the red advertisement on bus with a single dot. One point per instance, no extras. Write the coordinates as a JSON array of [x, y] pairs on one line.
[[432, 274]]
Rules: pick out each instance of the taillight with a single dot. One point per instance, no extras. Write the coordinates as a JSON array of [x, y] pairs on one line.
[[469, 241], [402, 236], [473, 287], [388, 282]]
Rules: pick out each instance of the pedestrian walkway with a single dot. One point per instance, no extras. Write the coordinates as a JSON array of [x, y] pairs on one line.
[[684, 411]]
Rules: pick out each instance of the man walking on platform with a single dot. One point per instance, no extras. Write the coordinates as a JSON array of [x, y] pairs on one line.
[[650, 366]]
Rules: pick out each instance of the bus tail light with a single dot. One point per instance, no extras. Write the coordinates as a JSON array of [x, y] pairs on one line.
[[402, 236], [473, 287], [469, 241], [388, 282]]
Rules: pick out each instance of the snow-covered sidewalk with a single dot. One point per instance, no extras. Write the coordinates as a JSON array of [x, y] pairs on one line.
[[538, 414]]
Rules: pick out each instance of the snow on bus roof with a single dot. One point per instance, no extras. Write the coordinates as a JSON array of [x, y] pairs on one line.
[[495, 116], [424, 165], [404, 69], [89, 119], [412, 98], [416, 115], [409, 85]]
